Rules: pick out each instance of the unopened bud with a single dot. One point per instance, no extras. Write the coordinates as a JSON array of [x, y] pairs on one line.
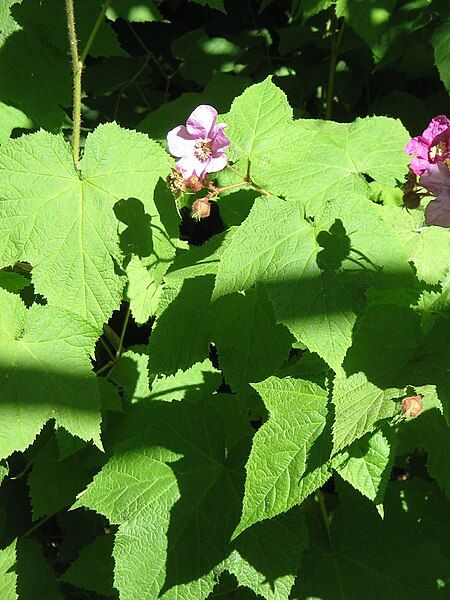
[[194, 183], [175, 182], [201, 209], [412, 406], [410, 181], [411, 199]]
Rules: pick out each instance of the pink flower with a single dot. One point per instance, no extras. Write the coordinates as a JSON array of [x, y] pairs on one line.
[[201, 144], [436, 179], [432, 147]]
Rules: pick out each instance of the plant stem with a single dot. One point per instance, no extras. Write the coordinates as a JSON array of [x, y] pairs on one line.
[[36, 526], [336, 43], [107, 348], [323, 510], [122, 333], [105, 367], [77, 67], [94, 31]]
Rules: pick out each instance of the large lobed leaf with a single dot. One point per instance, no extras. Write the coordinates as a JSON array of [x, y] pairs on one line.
[[61, 220]]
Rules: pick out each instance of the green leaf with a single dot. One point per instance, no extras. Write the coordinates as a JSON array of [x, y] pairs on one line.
[[137, 11], [4, 471], [45, 350], [63, 223], [278, 462], [369, 18], [201, 55], [148, 252], [36, 578], [217, 4], [266, 557], [310, 8], [13, 282], [282, 253], [173, 485], [430, 432], [250, 344], [432, 305], [181, 335], [8, 576], [11, 118], [366, 465], [427, 247], [38, 42], [200, 380], [367, 557], [440, 40], [54, 482], [93, 569], [359, 407], [131, 374], [333, 161], [311, 161]]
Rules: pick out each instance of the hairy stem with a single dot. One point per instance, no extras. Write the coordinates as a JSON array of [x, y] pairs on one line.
[[94, 31], [77, 67], [336, 43]]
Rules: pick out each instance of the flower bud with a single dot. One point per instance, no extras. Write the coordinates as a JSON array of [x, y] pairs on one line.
[[194, 183], [411, 199], [175, 182], [412, 406], [201, 209]]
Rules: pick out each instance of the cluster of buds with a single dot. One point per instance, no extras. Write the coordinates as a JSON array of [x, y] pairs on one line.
[[411, 197], [178, 185]]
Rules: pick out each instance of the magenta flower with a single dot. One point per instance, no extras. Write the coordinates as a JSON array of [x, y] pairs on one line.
[[432, 147], [200, 144], [436, 179]]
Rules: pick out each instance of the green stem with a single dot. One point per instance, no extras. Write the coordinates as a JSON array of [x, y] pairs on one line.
[[336, 43], [107, 348], [77, 67], [97, 25], [36, 526], [122, 333], [323, 510], [108, 365]]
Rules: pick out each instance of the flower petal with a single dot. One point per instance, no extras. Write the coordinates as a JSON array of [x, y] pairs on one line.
[[437, 125], [180, 142], [189, 165], [217, 163], [202, 121], [417, 146], [437, 211], [419, 165], [436, 179], [220, 141]]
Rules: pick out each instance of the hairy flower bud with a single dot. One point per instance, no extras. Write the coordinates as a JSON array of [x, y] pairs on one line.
[[411, 199], [201, 209], [412, 406], [194, 183], [175, 182]]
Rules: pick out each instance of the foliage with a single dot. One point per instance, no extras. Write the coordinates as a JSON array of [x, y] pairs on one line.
[[215, 404]]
